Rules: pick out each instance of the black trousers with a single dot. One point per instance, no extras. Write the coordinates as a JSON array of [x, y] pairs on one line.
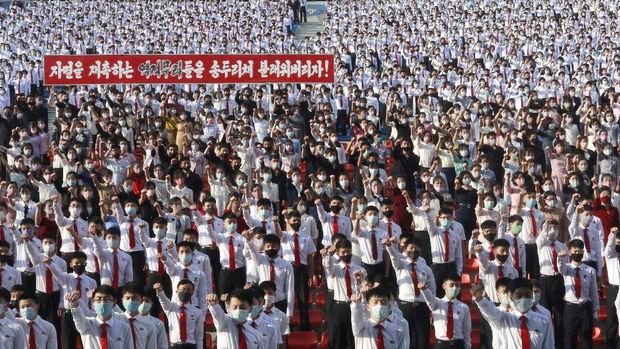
[[48, 309], [29, 281], [418, 316], [578, 322], [69, 334], [166, 284], [441, 271], [183, 346], [342, 121], [303, 14], [453, 344], [532, 266], [281, 305], [230, 280], [372, 270], [302, 290], [552, 298], [611, 333], [339, 333], [486, 334], [216, 266], [138, 259], [329, 301]]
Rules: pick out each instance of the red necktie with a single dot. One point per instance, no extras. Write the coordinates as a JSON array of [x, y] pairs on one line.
[[380, 344], [501, 272], [115, 271], [296, 250], [491, 254], [231, 254], [516, 257], [160, 264], [264, 223], [210, 221], [227, 108], [96, 265], [49, 286], [389, 229], [78, 286], [534, 227], [104, 336], [133, 331], [334, 225], [272, 271], [577, 283], [347, 281], [136, 105], [586, 238], [253, 324], [373, 242], [414, 278], [242, 342], [19, 83], [554, 256], [183, 324], [446, 245], [185, 274], [76, 247], [132, 236], [2, 237], [525, 334], [1, 270], [450, 327], [32, 340]]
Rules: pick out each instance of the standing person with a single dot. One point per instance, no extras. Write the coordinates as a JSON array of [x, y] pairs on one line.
[[130, 240], [303, 14], [102, 331], [451, 317], [410, 271], [369, 238], [519, 327], [185, 321], [116, 267], [12, 333], [375, 331], [581, 296], [145, 313], [233, 329], [40, 334], [612, 261], [532, 224], [143, 335], [446, 247]]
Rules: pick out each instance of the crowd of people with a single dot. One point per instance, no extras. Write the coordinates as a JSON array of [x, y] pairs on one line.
[[458, 135]]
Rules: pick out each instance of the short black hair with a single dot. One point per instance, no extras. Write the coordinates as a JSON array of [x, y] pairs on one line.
[[268, 286], [515, 218], [380, 292], [160, 220], [186, 244], [186, 282], [501, 243], [112, 231], [503, 282], [271, 239], [452, 277], [257, 292], [577, 243], [344, 244], [488, 224], [520, 283], [263, 202], [28, 296], [240, 294], [78, 254], [229, 215], [105, 289], [133, 287], [4, 243], [4, 293]]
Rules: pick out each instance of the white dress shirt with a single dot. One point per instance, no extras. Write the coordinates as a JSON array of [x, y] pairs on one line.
[[44, 332], [40, 268], [404, 276], [280, 319], [160, 330], [10, 276], [205, 223], [460, 314], [153, 247], [125, 223], [527, 233], [284, 276], [384, 225], [489, 274], [344, 225], [106, 262], [194, 321], [142, 331], [336, 271], [202, 285], [509, 326], [12, 335], [269, 330], [89, 328], [223, 241], [364, 237], [306, 246], [589, 289], [228, 334], [69, 284], [437, 235], [545, 254], [612, 261], [365, 331], [67, 241], [593, 231]]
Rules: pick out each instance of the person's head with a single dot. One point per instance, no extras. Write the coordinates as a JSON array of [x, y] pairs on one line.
[[586, 215], [186, 252], [335, 205], [131, 208], [536, 290], [230, 223], [372, 215], [502, 287], [28, 306], [452, 286], [521, 296], [294, 220], [147, 302], [258, 299], [270, 293], [576, 248], [113, 238], [264, 208], [5, 248], [271, 245], [488, 229], [411, 247], [501, 249], [515, 223], [377, 303], [238, 304], [387, 208], [445, 218], [78, 262], [132, 298], [48, 244], [344, 250], [185, 290], [75, 208], [160, 227], [103, 300]]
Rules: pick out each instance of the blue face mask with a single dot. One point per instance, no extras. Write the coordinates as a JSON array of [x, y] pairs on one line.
[[131, 210], [256, 310], [103, 309], [523, 305], [531, 202], [239, 316], [131, 306], [452, 292], [372, 220], [379, 312], [28, 313], [231, 228], [445, 223], [185, 258], [144, 308]]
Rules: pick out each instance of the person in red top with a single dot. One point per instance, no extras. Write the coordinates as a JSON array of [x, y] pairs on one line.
[[44, 219], [604, 210], [401, 216]]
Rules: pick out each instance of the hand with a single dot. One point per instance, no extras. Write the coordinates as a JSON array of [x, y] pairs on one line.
[[357, 298], [475, 233], [614, 231], [562, 254], [422, 286], [72, 298], [169, 245], [212, 299], [142, 225], [55, 198], [157, 287], [247, 234], [47, 260], [386, 242], [331, 250], [192, 207], [317, 202], [478, 248], [478, 292], [358, 276]]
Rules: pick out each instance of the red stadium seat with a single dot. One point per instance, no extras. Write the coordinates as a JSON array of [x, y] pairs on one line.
[[324, 340], [466, 297], [316, 317], [602, 313], [465, 281], [471, 265], [432, 339], [475, 338], [320, 299], [302, 340], [475, 316]]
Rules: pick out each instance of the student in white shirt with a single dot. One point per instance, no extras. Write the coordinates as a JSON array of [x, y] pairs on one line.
[[334, 222], [154, 247], [115, 264], [131, 243], [451, 317], [232, 327], [375, 331], [520, 325], [268, 327], [270, 310], [370, 238], [185, 321], [33, 325], [143, 333], [183, 269], [145, 312], [9, 276], [11, 332], [448, 234], [537, 307], [103, 329], [612, 262]]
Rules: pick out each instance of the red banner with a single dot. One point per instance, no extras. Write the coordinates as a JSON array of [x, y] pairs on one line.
[[187, 69]]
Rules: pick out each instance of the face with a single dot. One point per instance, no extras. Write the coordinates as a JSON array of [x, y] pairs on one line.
[[237, 304], [521, 293]]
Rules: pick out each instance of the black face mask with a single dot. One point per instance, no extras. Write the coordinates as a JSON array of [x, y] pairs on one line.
[[618, 248], [577, 257], [184, 296], [346, 258], [490, 237], [414, 255], [79, 269], [502, 258], [210, 210], [335, 209], [388, 213], [4, 258], [295, 226], [271, 253]]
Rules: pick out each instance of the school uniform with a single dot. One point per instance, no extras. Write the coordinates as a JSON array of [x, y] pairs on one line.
[[207, 245], [131, 242], [516, 328], [185, 323], [157, 270], [279, 318], [22, 261], [581, 303], [143, 335], [40, 334], [297, 249], [12, 334], [116, 267], [9, 277], [97, 334], [410, 300], [452, 321], [517, 254], [533, 220], [68, 244], [160, 330], [333, 224], [612, 261], [369, 334], [446, 250], [229, 334], [232, 275], [202, 285], [269, 330], [591, 235]]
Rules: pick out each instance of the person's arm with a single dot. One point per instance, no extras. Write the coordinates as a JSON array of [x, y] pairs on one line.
[[394, 255], [170, 266], [357, 315], [490, 312], [217, 313], [562, 267], [610, 251], [35, 256], [290, 292], [429, 296], [199, 331], [466, 327], [146, 242], [594, 293], [58, 215], [254, 252], [165, 302], [79, 319], [320, 211], [60, 276]]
